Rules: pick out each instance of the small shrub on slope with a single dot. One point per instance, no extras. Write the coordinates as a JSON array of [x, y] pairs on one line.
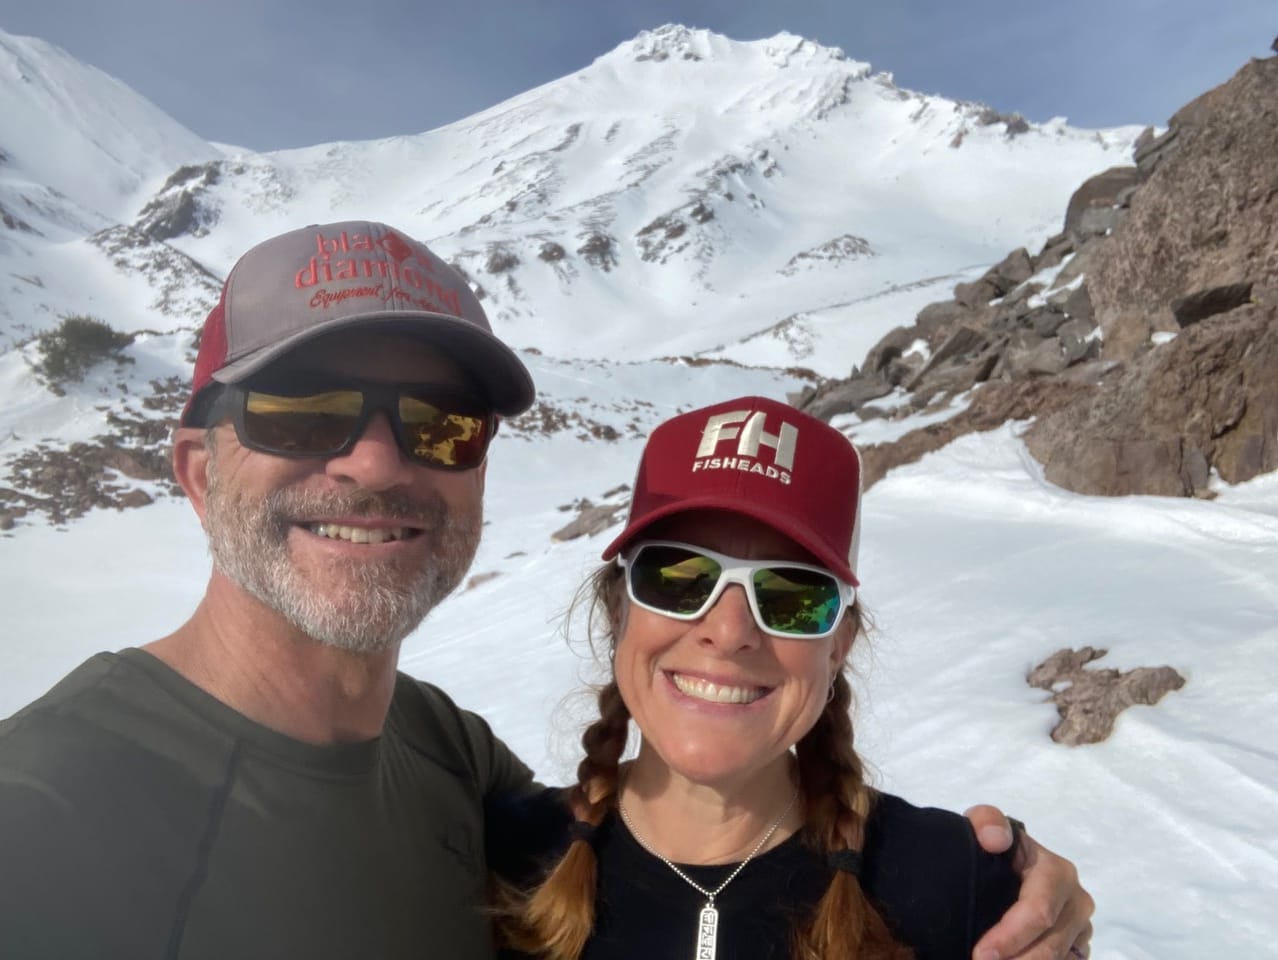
[[75, 345]]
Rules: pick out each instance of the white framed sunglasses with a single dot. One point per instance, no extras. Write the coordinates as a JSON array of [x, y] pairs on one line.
[[683, 581]]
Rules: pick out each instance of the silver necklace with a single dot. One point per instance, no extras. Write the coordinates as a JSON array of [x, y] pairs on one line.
[[708, 922]]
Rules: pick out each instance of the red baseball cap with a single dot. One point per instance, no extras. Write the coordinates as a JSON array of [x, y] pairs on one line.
[[301, 285], [760, 458]]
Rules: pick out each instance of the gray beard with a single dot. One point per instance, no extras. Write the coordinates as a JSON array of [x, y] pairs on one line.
[[361, 607]]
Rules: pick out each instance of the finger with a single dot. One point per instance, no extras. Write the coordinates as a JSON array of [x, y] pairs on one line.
[[992, 829], [1050, 913], [1057, 945], [1072, 928], [1081, 945]]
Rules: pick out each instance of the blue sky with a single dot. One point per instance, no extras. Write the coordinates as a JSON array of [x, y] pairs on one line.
[[268, 74]]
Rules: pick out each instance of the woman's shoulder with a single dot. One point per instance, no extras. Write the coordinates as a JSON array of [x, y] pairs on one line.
[[899, 826], [901, 836], [930, 877]]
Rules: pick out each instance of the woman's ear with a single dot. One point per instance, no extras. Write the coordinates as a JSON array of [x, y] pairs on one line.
[[615, 601], [842, 643], [192, 456], [618, 614]]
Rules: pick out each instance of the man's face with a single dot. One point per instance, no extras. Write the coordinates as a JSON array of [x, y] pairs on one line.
[[354, 550]]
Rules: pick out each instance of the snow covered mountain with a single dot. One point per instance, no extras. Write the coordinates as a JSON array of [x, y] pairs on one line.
[[79, 147], [732, 199], [772, 203], [687, 219]]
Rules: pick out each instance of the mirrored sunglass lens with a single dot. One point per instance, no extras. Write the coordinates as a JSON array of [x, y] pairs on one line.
[[448, 439], [802, 602], [673, 580], [314, 424]]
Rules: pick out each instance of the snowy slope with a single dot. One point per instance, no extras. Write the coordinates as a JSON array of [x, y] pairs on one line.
[[772, 203], [975, 571], [704, 189], [72, 130], [728, 187], [838, 206]]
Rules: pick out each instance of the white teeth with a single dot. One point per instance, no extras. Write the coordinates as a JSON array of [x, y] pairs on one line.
[[714, 692], [337, 531]]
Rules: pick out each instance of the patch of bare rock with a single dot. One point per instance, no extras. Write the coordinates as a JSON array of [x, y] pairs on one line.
[[1089, 701], [114, 469]]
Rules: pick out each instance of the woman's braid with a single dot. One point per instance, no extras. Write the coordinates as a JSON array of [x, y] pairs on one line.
[[558, 916], [844, 926]]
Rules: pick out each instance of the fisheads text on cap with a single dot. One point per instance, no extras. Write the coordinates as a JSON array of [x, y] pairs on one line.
[[750, 437]]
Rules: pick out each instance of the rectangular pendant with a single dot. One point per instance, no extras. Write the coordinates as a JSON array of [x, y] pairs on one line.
[[707, 933]]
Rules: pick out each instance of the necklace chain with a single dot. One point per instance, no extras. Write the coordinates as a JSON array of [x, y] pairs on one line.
[[708, 894]]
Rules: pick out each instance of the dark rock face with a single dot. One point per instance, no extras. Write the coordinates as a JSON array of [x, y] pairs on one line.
[[1091, 700], [1202, 304], [1208, 399], [1184, 245], [593, 518], [63, 484], [13, 222], [551, 252], [500, 260], [848, 393], [1149, 150], [992, 405], [1089, 207], [599, 249], [180, 208], [1207, 217]]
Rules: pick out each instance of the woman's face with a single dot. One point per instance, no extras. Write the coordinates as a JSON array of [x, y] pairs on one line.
[[719, 701]]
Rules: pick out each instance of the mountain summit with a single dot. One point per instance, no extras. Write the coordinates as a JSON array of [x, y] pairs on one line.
[[701, 189], [770, 203]]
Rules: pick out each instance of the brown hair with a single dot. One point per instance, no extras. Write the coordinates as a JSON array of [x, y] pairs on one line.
[[555, 919]]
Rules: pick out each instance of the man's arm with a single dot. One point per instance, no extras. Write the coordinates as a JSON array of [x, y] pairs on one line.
[[1052, 918]]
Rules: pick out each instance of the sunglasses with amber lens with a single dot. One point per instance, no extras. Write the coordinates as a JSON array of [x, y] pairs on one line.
[[434, 428], [787, 599]]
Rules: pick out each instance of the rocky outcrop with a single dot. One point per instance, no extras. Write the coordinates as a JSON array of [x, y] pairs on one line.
[[1207, 216], [180, 207], [1208, 400], [592, 519], [599, 249], [1089, 701], [1001, 329], [1142, 339], [1092, 209], [63, 484], [993, 405]]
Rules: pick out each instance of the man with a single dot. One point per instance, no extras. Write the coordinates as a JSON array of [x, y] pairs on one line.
[[262, 782]]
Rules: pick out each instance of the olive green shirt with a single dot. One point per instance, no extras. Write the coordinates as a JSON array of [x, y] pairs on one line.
[[140, 817]]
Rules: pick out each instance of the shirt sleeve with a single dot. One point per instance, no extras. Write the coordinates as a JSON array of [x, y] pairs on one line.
[[524, 821], [936, 887], [995, 887]]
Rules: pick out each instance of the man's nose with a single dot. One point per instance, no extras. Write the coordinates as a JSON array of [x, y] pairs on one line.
[[374, 461]]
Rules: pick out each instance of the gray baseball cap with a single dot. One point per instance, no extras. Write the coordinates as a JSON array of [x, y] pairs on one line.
[[320, 279]]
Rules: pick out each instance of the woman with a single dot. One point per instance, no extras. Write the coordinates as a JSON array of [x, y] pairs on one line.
[[744, 827]]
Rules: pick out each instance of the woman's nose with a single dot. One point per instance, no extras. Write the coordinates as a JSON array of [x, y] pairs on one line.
[[729, 624]]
